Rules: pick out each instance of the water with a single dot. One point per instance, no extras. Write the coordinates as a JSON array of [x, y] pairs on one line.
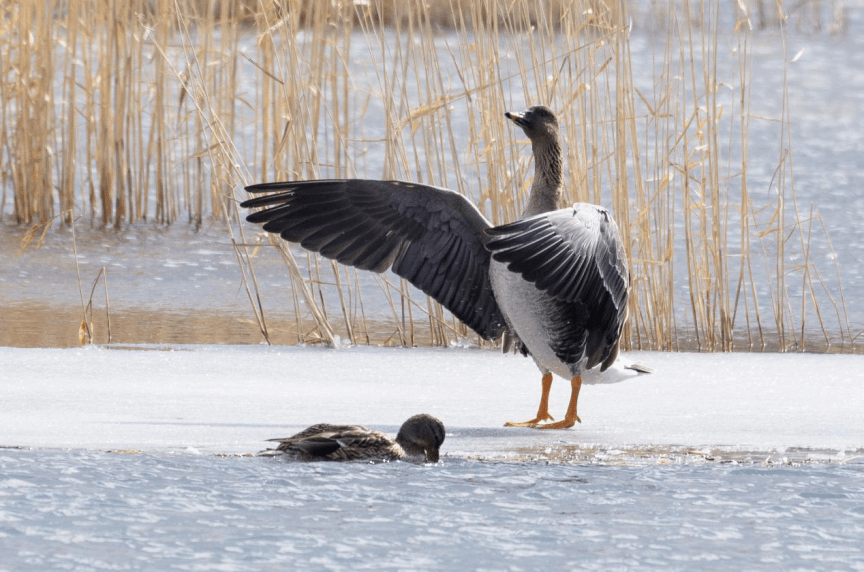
[[89, 510], [172, 285]]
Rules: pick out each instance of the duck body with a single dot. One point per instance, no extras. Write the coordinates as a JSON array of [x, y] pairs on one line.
[[419, 439], [325, 442]]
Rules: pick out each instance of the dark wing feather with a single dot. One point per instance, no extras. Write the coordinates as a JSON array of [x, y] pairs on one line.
[[577, 257], [338, 442], [432, 237], [318, 431], [316, 446]]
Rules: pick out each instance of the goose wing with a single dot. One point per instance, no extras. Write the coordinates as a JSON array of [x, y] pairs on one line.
[[576, 256], [430, 236]]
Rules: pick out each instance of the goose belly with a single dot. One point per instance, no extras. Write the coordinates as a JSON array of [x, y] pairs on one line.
[[537, 318]]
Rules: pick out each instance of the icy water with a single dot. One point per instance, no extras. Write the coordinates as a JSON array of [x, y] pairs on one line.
[[86, 510]]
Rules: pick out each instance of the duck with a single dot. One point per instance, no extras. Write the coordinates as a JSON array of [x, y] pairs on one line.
[[419, 440], [552, 285]]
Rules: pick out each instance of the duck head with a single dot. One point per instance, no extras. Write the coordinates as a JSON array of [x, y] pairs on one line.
[[536, 121], [422, 434]]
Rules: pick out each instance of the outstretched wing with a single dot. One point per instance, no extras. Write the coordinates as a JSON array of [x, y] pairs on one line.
[[576, 256], [430, 236]]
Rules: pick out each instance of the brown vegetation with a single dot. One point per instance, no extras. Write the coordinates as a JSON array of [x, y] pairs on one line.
[[161, 110]]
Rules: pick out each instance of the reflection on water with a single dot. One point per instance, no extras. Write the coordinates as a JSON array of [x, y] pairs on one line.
[[175, 285], [179, 286], [34, 325], [163, 286]]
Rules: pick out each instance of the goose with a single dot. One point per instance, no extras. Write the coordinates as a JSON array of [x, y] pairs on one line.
[[419, 438], [553, 284]]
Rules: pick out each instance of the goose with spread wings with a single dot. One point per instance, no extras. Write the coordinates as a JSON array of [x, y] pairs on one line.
[[554, 283]]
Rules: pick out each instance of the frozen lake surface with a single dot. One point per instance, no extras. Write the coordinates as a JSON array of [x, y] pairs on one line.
[[229, 399], [137, 458]]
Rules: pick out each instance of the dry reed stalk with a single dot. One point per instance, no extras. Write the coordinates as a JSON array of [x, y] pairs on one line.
[[839, 308], [349, 327], [84, 330], [87, 322], [29, 64], [362, 308]]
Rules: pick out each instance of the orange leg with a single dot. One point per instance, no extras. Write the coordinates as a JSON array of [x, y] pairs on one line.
[[571, 417], [543, 410]]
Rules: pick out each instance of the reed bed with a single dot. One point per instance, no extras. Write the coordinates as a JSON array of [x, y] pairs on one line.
[[161, 110]]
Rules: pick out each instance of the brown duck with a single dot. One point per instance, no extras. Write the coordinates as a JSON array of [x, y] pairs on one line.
[[419, 439]]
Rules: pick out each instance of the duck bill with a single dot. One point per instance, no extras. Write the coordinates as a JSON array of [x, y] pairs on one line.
[[516, 117]]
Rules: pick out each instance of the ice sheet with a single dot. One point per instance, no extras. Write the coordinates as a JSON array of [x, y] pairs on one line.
[[229, 399]]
